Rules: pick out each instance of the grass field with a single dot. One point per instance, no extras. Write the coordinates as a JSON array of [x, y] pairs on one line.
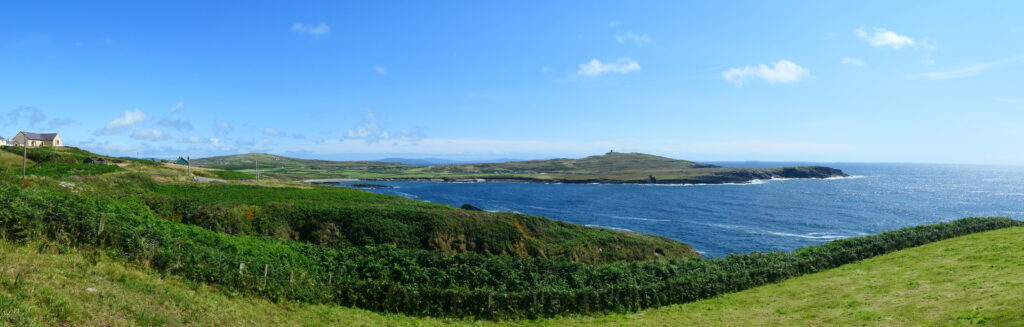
[[976, 279]]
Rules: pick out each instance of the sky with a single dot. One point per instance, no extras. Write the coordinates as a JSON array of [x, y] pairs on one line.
[[825, 81]]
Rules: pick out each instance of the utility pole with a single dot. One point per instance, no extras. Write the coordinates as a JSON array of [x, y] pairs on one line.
[[257, 170], [188, 159]]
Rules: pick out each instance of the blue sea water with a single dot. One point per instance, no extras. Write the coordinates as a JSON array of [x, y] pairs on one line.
[[773, 215]]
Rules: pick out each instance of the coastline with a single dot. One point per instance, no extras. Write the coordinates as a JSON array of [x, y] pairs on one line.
[[746, 176]]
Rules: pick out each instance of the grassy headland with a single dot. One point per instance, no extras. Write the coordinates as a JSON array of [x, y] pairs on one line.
[[612, 167]]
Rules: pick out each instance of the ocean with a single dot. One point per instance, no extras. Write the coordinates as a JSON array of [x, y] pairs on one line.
[[763, 216]]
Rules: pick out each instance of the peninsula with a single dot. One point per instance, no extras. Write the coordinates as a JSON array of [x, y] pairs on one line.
[[609, 168]]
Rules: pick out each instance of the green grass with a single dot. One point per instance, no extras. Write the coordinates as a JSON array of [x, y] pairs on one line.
[[229, 174], [11, 161], [60, 169], [976, 279]]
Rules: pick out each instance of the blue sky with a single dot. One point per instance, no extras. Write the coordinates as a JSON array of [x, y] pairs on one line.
[[816, 81]]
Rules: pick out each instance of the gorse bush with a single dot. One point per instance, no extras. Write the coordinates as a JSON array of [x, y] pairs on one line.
[[341, 217], [420, 282]]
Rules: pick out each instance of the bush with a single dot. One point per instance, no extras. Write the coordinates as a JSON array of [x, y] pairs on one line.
[[344, 217], [419, 282]]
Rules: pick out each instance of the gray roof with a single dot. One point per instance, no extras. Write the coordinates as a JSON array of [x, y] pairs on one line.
[[40, 136]]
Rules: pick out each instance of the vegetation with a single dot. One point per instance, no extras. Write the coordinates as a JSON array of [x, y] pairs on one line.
[[340, 217], [612, 167], [229, 175], [969, 280]]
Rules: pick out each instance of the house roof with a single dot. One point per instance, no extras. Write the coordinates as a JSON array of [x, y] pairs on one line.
[[39, 136]]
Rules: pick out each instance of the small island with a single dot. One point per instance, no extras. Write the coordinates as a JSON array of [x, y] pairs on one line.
[[608, 168]]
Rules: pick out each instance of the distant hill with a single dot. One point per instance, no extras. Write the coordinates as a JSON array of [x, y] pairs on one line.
[[438, 161], [611, 162], [270, 161], [611, 167]]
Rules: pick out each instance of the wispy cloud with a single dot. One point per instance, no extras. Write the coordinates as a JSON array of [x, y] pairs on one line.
[[637, 39], [150, 134], [969, 70], [181, 124], [380, 70], [123, 123], [370, 130], [223, 127], [782, 71], [272, 132], [317, 30], [596, 67], [886, 38], [852, 62], [32, 116], [192, 140]]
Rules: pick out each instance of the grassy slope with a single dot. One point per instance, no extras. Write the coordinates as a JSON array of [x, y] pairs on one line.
[[535, 235], [440, 227], [970, 280], [609, 167]]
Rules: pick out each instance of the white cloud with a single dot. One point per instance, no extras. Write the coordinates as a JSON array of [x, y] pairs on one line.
[[271, 132], [782, 71], [371, 131], [613, 23], [216, 143], [192, 140], [319, 29], [886, 38], [545, 70], [852, 61], [149, 134], [123, 123], [971, 70], [380, 69], [638, 39], [178, 106], [595, 67]]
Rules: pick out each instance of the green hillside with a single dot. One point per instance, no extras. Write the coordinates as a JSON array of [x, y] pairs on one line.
[[295, 168], [611, 162], [612, 167], [965, 281], [332, 216]]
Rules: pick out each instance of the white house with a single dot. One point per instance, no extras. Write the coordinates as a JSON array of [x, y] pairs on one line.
[[37, 139], [3, 141]]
